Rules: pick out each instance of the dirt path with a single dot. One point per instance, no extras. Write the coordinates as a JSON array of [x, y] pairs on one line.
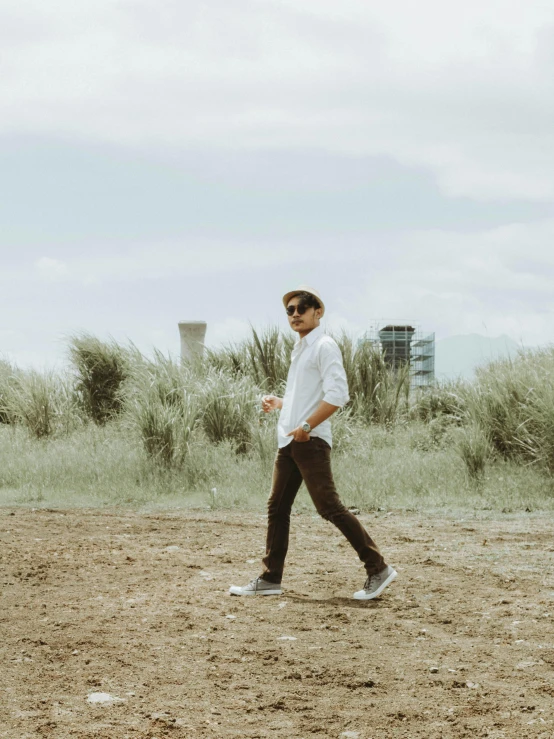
[[135, 605]]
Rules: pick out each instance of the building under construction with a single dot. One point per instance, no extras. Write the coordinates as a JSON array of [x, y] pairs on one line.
[[403, 343]]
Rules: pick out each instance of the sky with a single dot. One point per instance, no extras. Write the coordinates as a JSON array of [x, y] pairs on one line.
[[196, 159]]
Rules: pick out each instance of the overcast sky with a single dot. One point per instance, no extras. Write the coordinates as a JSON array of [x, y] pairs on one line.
[[195, 159]]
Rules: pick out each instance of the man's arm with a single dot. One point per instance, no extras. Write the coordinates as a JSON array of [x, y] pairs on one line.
[[322, 413]]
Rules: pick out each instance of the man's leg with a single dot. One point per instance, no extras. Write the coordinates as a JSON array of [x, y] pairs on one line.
[[286, 482], [313, 459]]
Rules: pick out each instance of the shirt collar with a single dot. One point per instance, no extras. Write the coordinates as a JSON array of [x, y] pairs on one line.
[[313, 335]]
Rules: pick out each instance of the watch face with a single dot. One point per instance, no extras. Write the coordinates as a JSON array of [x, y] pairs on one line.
[[307, 428]]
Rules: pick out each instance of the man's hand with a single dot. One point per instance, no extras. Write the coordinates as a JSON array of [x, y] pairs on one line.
[[299, 434], [271, 403]]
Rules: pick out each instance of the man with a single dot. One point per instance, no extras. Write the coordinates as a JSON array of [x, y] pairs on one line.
[[316, 388]]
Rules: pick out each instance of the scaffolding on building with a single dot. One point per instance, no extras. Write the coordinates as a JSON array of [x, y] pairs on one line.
[[404, 343]]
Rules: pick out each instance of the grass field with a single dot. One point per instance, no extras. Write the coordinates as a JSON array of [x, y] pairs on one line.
[[119, 428], [401, 469]]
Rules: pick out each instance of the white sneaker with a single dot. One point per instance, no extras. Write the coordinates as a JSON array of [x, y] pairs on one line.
[[258, 586], [375, 584]]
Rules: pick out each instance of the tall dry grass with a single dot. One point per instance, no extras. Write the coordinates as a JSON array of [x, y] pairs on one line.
[[197, 426], [474, 448], [104, 465], [8, 374], [161, 408], [100, 368], [443, 400], [513, 402], [230, 408], [45, 403], [378, 393], [264, 356]]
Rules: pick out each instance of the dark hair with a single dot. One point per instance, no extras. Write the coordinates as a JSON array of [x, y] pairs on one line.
[[309, 300]]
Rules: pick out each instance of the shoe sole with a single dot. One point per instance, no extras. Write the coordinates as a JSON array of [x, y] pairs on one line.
[[362, 595], [233, 590]]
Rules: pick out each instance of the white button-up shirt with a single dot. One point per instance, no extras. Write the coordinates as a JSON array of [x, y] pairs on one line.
[[316, 373]]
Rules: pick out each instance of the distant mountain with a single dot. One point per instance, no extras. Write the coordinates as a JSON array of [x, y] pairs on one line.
[[458, 356]]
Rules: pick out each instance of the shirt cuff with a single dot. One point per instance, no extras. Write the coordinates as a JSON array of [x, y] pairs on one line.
[[336, 399]]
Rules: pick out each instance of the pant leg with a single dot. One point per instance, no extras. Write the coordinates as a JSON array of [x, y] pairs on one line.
[[313, 459], [286, 482]]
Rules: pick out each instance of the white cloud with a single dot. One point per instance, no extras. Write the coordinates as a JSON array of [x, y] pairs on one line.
[[464, 89], [494, 282], [228, 331], [156, 261], [51, 269], [335, 323]]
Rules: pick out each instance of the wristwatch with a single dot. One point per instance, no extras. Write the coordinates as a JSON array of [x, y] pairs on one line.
[[306, 427]]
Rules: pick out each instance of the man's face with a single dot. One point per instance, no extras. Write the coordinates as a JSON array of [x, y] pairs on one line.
[[306, 322]]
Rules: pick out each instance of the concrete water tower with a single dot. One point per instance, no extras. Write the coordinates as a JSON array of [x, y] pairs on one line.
[[192, 335]]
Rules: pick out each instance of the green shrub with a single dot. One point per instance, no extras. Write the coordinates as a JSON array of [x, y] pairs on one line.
[[165, 428], [7, 378], [232, 358], [443, 400], [161, 408], [229, 408], [513, 400], [535, 436], [345, 428], [44, 403], [431, 436], [100, 369], [264, 357], [263, 440], [474, 448], [269, 353], [378, 394]]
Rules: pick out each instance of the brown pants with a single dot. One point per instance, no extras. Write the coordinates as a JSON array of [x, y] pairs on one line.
[[310, 461]]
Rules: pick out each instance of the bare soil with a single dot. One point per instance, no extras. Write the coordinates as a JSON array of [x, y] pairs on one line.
[[135, 605]]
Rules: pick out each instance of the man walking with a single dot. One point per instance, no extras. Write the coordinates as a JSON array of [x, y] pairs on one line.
[[316, 388]]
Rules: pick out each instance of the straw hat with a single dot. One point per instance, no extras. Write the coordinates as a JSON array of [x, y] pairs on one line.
[[304, 289]]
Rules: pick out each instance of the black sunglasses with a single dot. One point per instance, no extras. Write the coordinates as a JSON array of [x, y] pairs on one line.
[[301, 308]]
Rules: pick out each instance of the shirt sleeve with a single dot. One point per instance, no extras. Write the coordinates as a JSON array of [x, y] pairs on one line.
[[335, 384]]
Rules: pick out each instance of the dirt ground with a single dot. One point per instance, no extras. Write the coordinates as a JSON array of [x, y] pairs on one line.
[[135, 605]]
